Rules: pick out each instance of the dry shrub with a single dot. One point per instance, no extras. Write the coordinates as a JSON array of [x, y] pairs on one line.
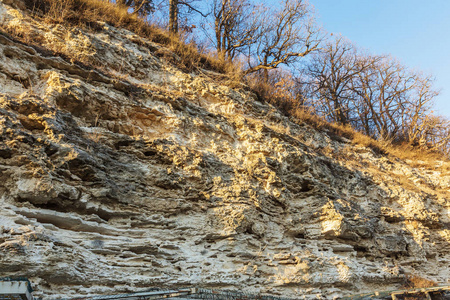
[[414, 282], [84, 12], [416, 153], [279, 90], [189, 58]]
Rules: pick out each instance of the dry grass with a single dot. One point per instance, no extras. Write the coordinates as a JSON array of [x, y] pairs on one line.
[[403, 151], [407, 151], [414, 282], [84, 12], [87, 13]]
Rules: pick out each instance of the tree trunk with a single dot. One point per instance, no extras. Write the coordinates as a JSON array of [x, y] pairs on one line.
[[139, 7], [173, 16], [266, 71]]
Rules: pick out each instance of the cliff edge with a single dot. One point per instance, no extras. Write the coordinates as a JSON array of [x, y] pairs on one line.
[[126, 173]]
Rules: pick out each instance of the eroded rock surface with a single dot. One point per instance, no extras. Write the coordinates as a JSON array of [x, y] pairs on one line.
[[132, 174]]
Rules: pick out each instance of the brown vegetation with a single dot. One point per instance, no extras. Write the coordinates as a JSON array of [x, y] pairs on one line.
[[414, 281]]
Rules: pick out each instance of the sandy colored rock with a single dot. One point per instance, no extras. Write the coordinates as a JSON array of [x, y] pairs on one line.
[[138, 175]]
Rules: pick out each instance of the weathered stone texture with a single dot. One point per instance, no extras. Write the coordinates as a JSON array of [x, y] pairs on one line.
[[134, 175]]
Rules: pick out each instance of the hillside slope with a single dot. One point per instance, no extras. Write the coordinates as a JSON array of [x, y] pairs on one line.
[[131, 174]]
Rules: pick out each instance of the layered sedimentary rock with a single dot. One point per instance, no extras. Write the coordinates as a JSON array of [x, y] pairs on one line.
[[120, 172]]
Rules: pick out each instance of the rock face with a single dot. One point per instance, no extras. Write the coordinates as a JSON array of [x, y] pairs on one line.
[[131, 174]]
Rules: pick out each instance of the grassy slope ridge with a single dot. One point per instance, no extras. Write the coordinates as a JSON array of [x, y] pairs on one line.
[[87, 13]]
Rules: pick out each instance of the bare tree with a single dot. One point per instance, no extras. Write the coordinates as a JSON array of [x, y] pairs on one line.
[[332, 72], [396, 98], [374, 94], [173, 16], [174, 12], [286, 35], [422, 125], [435, 134], [237, 25]]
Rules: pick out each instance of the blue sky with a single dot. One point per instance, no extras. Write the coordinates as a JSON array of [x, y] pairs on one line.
[[415, 32]]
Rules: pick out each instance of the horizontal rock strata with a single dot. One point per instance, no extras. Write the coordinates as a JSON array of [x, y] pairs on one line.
[[121, 173]]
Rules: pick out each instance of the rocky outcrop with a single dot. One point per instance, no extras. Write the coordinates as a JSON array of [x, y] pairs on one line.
[[120, 172]]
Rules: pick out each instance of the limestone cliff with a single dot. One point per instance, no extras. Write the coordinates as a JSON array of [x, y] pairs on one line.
[[132, 174]]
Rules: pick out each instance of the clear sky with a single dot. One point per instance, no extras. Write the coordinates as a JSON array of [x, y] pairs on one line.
[[416, 32]]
